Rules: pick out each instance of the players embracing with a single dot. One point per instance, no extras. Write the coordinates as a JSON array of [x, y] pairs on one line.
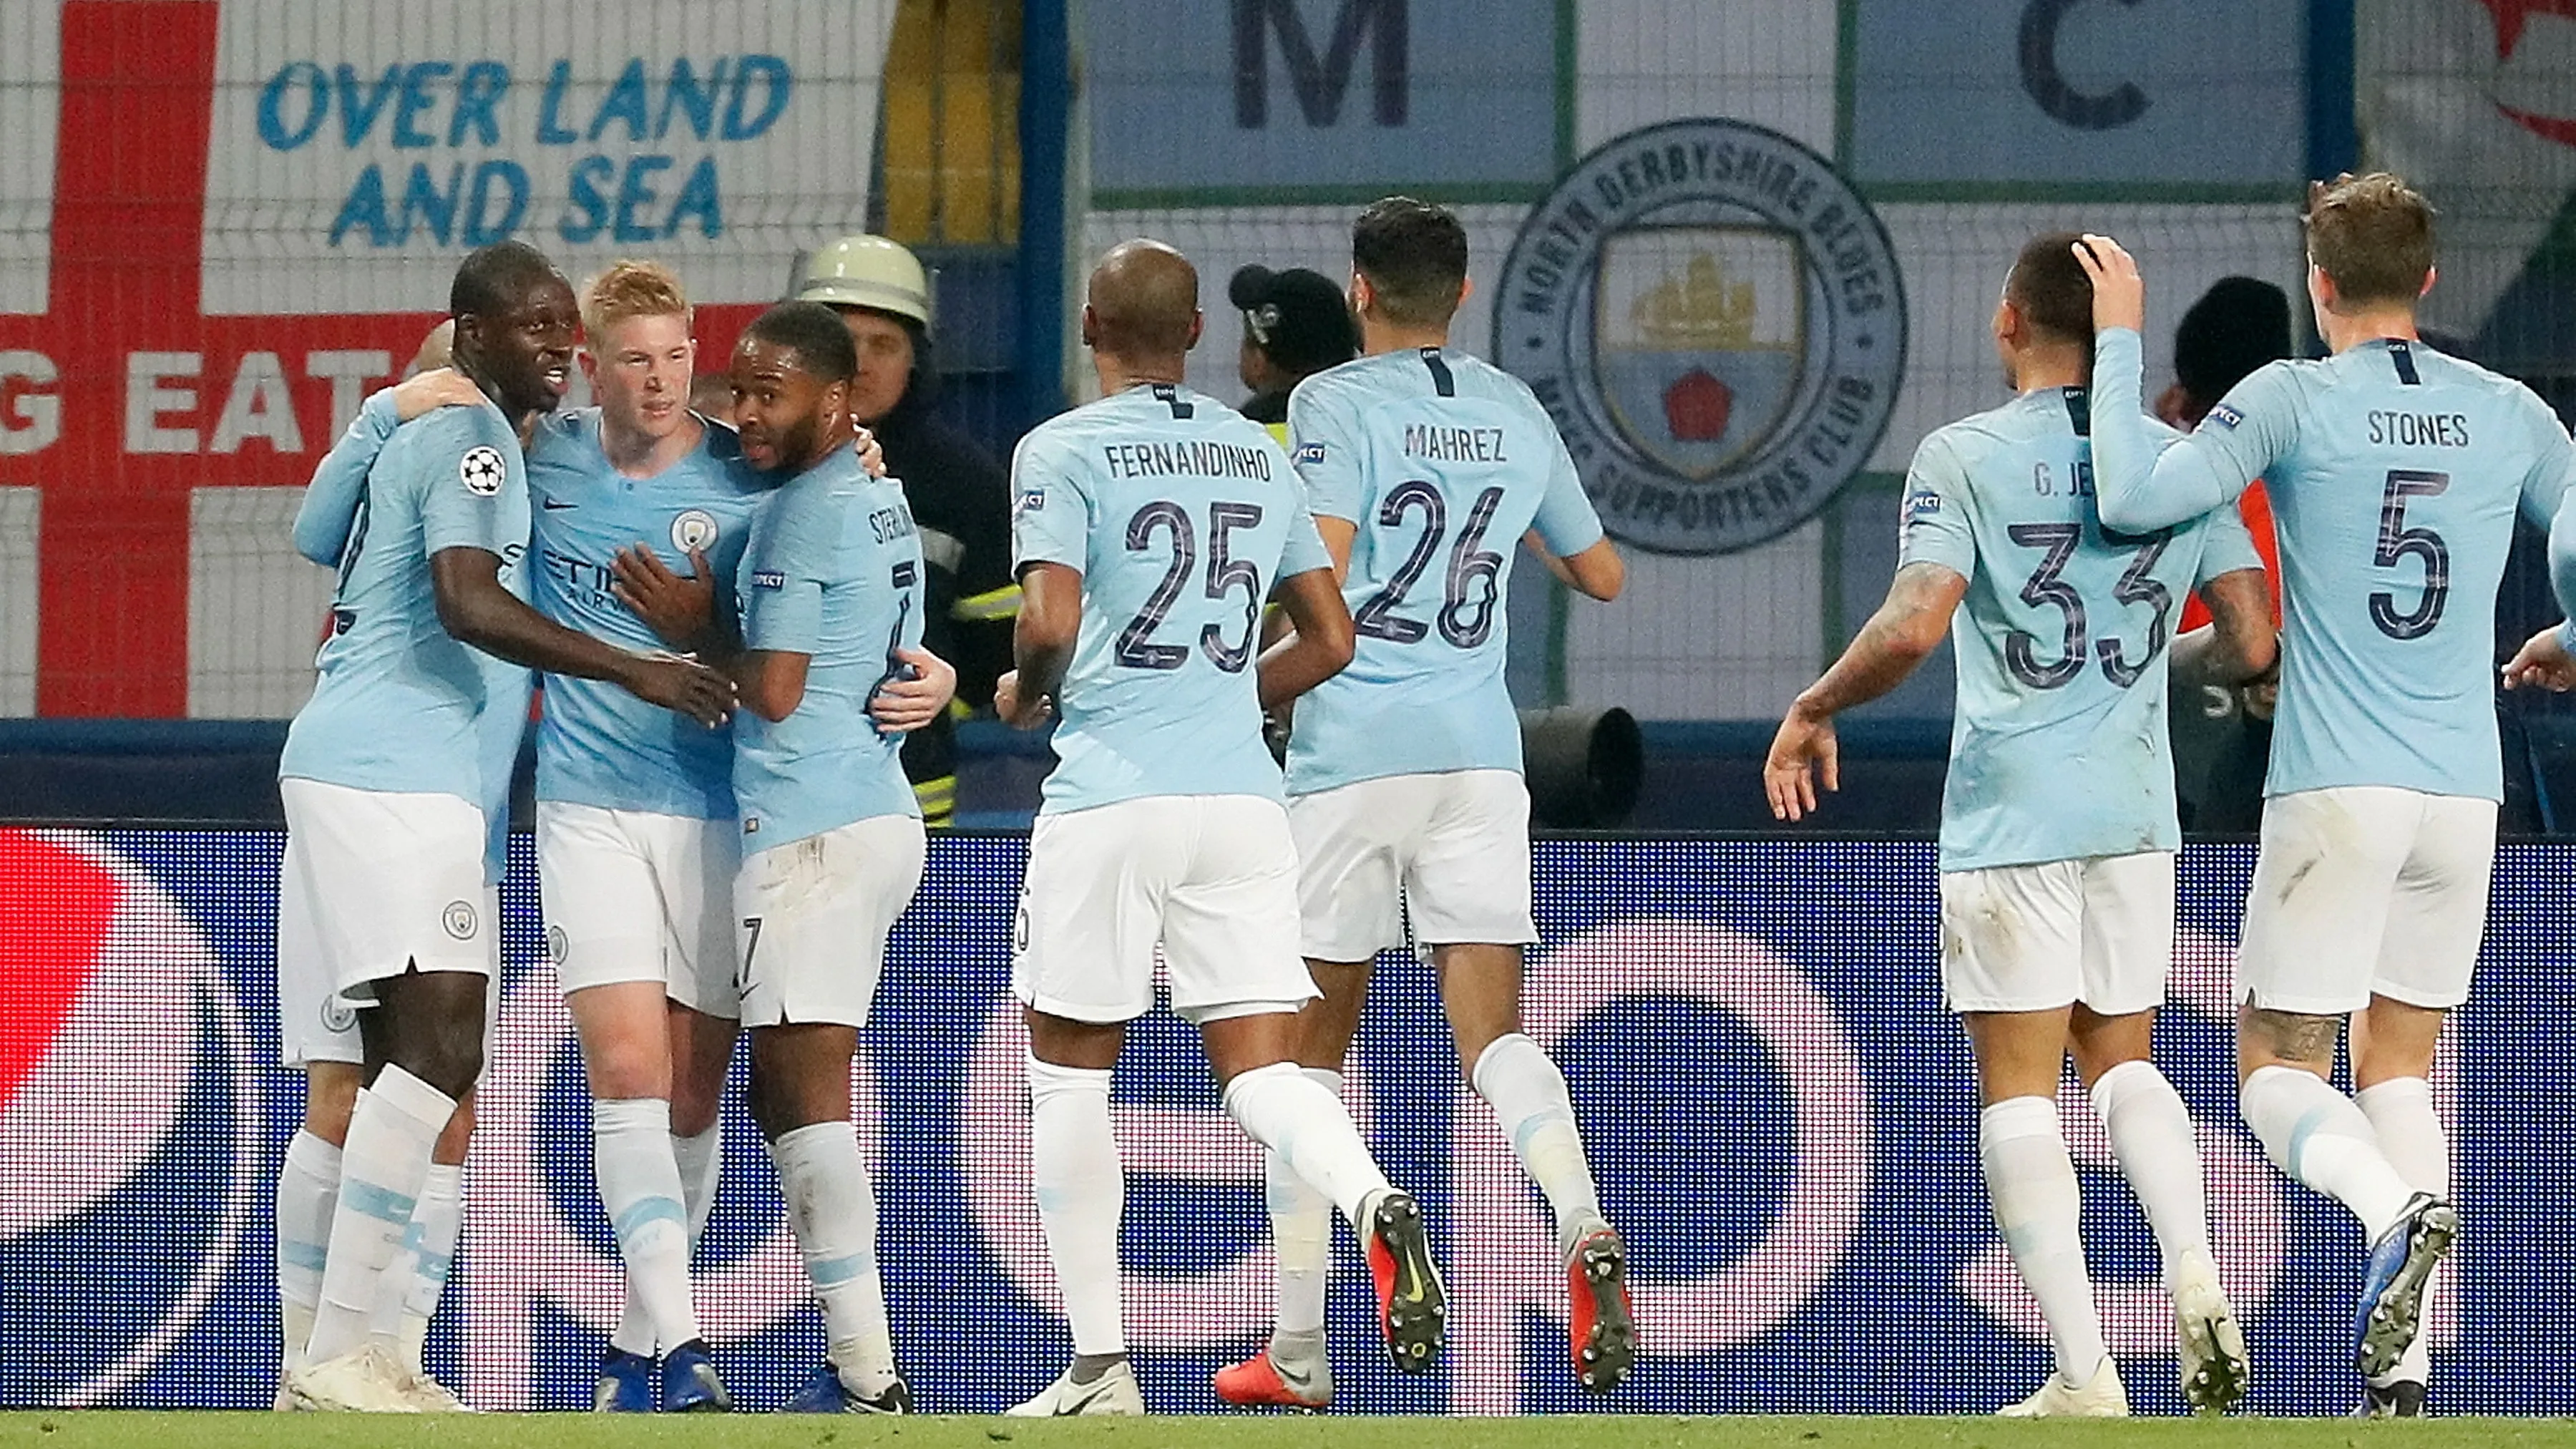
[[388, 796], [637, 831]]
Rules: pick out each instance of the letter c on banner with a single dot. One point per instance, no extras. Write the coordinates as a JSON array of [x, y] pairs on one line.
[[2047, 84], [1514, 1272]]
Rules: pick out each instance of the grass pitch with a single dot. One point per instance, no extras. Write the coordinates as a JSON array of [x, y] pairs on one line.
[[107, 1430]]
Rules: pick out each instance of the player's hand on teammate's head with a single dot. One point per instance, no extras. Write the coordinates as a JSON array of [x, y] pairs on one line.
[[1803, 750], [907, 701], [871, 452], [1025, 714], [682, 686], [680, 611], [2119, 294], [2542, 663], [427, 392]]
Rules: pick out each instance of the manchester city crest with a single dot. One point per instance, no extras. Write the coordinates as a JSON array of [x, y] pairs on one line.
[[693, 528], [1714, 319]]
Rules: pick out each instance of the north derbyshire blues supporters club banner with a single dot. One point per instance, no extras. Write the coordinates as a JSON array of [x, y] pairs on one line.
[[1779, 1112], [1713, 318]]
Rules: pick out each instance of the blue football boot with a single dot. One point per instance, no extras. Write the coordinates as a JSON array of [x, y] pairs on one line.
[[689, 1382], [824, 1393], [625, 1384], [2392, 1286]]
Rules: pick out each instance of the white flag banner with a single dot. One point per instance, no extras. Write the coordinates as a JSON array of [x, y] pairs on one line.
[[2475, 102], [353, 143]]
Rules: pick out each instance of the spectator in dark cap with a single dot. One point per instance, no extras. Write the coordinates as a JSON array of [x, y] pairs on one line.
[[1295, 324], [2238, 325], [2222, 736]]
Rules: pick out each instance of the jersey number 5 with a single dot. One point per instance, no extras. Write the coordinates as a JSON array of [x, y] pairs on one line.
[[2397, 542], [1225, 573], [2046, 587], [1466, 616]]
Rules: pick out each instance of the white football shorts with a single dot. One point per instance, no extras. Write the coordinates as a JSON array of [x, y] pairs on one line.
[[1450, 850], [636, 896], [313, 1023], [391, 882], [814, 917], [2047, 935], [1210, 879], [2366, 890]]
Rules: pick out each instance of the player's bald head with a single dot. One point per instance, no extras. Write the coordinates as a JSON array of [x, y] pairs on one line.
[[1143, 302]]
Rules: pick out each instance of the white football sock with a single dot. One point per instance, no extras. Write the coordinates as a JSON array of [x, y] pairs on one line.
[[833, 1209], [1529, 1099], [1081, 1193], [701, 1163], [640, 1186], [2031, 1177], [392, 1132], [1301, 1229], [2151, 1137], [2401, 1115], [2319, 1138], [429, 1250], [1291, 1114], [699, 1160], [308, 1186]]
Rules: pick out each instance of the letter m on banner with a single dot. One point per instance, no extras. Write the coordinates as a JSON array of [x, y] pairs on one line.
[[1320, 80]]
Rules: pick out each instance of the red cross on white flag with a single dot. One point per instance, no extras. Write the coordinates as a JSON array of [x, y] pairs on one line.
[[255, 207]]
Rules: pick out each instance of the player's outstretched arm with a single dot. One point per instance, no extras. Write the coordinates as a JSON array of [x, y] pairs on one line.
[[1596, 572], [2239, 645], [477, 609], [1317, 647], [2140, 483], [1041, 643], [1904, 632], [330, 506], [2547, 660]]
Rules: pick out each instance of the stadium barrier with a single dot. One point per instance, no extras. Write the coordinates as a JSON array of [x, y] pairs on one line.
[[1778, 1110]]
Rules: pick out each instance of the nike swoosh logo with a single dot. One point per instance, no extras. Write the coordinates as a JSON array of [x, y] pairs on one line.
[[551, 505], [1085, 1402], [1302, 1381]]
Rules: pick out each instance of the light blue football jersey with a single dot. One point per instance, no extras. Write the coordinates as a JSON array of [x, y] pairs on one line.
[[832, 570], [2394, 474], [1180, 514], [2058, 746], [399, 701], [497, 735], [597, 744], [1442, 461], [323, 524]]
